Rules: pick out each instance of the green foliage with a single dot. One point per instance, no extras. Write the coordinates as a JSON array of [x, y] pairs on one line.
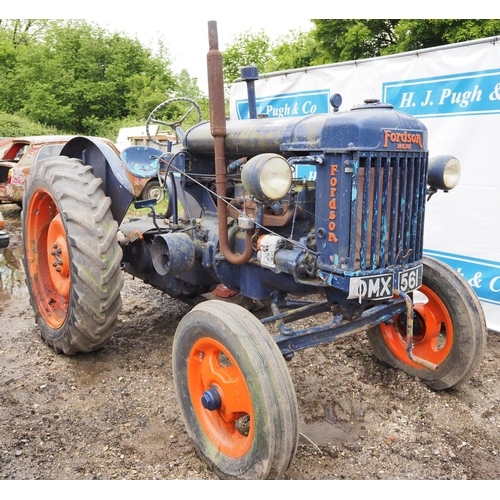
[[336, 40], [188, 87], [414, 34], [22, 31], [351, 39], [17, 126], [332, 40], [76, 76], [298, 49], [247, 49]]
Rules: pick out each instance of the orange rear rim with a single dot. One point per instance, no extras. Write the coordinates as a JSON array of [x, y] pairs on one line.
[[48, 258], [433, 331], [230, 427]]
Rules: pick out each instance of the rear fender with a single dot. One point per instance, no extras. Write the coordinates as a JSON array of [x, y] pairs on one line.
[[107, 166]]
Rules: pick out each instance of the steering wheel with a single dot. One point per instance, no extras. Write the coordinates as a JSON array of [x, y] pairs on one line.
[[156, 117]]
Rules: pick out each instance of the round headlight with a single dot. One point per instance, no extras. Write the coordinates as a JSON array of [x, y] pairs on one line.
[[267, 177], [444, 172]]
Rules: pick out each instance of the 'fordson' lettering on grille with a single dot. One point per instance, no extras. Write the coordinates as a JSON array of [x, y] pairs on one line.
[[403, 140], [332, 237]]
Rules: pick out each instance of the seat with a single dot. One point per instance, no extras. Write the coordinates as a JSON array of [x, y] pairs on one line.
[[140, 161]]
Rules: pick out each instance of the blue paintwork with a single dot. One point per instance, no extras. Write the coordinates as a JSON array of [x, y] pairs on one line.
[[370, 226], [141, 161], [108, 167]]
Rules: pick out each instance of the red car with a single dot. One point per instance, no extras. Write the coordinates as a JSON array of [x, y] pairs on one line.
[[18, 155]]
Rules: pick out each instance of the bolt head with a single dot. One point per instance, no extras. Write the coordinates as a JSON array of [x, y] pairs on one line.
[[211, 399]]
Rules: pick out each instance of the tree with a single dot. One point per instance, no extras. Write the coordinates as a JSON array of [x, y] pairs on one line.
[[351, 39], [78, 76], [247, 49], [16, 126], [188, 87], [298, 49], [415, 34], [23, 31]]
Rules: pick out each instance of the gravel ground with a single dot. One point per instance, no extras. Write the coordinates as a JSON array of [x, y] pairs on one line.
[[112, 414]]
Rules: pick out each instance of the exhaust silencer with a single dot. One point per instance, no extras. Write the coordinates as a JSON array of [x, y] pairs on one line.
[[172, 253]]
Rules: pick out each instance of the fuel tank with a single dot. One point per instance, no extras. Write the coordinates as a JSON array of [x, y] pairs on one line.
[[369, 126]]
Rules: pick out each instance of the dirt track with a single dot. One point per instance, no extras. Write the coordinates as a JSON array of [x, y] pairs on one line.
[[112, 414]]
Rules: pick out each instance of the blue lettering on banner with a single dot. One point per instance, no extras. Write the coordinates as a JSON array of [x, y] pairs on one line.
[[451, 95], [482, 275], [286, 105]]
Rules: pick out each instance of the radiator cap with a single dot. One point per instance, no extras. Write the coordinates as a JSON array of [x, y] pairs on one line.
[[373, 103]]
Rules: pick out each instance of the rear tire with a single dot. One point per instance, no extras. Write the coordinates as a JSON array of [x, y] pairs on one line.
[[449, 330], [71, 255], [153, 191], [223, 351]]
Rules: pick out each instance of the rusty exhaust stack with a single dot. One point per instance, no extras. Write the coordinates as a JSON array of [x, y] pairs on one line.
[[218, 131]]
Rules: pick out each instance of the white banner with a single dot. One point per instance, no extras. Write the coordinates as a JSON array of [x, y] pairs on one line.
[[455, 91]]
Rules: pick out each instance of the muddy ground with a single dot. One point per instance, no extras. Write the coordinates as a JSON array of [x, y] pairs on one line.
[[112, 414]]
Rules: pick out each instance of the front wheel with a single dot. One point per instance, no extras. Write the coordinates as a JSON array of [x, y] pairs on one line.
[[71, 255], [449, 330], [235, 392]]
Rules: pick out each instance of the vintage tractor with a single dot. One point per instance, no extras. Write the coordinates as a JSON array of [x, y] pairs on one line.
[[243, 223]]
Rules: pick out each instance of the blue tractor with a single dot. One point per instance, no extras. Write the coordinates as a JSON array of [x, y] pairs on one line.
[[242, 224]]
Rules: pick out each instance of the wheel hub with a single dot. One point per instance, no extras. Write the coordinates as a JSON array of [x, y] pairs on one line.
[[211, 399], [58, 257], [432, 332], [418, 327]]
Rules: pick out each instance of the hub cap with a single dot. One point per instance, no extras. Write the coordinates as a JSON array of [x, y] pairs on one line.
[[48, 258], [216, 381]]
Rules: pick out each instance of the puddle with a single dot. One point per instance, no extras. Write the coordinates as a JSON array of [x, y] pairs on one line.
[[323, 433], [12, 277]]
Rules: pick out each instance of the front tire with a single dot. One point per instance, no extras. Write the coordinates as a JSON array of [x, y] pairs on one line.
[[449, 330], [235, 392], [71, 256]]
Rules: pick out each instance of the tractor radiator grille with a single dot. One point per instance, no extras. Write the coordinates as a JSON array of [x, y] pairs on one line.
[[388, 202]]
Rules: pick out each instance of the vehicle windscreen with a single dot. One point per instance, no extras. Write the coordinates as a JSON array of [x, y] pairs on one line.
[[48, 151]]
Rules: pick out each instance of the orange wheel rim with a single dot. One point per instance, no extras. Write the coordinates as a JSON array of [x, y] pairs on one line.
[[433, 331], [231, 427], [48, 258]]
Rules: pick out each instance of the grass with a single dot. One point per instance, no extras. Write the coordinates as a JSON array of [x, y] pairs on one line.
[[160, 208]]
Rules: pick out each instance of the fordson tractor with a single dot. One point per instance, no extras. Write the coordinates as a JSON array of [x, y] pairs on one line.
[[241, 221]]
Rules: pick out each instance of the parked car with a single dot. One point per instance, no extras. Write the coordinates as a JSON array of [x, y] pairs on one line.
[[4, 237], [19, 154]]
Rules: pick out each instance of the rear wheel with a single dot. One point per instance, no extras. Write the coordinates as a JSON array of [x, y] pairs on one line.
[[235, 392], [71, 255], [153, 191], [449, 330]]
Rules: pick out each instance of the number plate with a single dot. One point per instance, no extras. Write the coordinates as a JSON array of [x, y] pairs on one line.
[[376, 287], [410, 279]]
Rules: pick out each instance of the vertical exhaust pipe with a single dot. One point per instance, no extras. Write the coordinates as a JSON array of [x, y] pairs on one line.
[[218, 131]]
